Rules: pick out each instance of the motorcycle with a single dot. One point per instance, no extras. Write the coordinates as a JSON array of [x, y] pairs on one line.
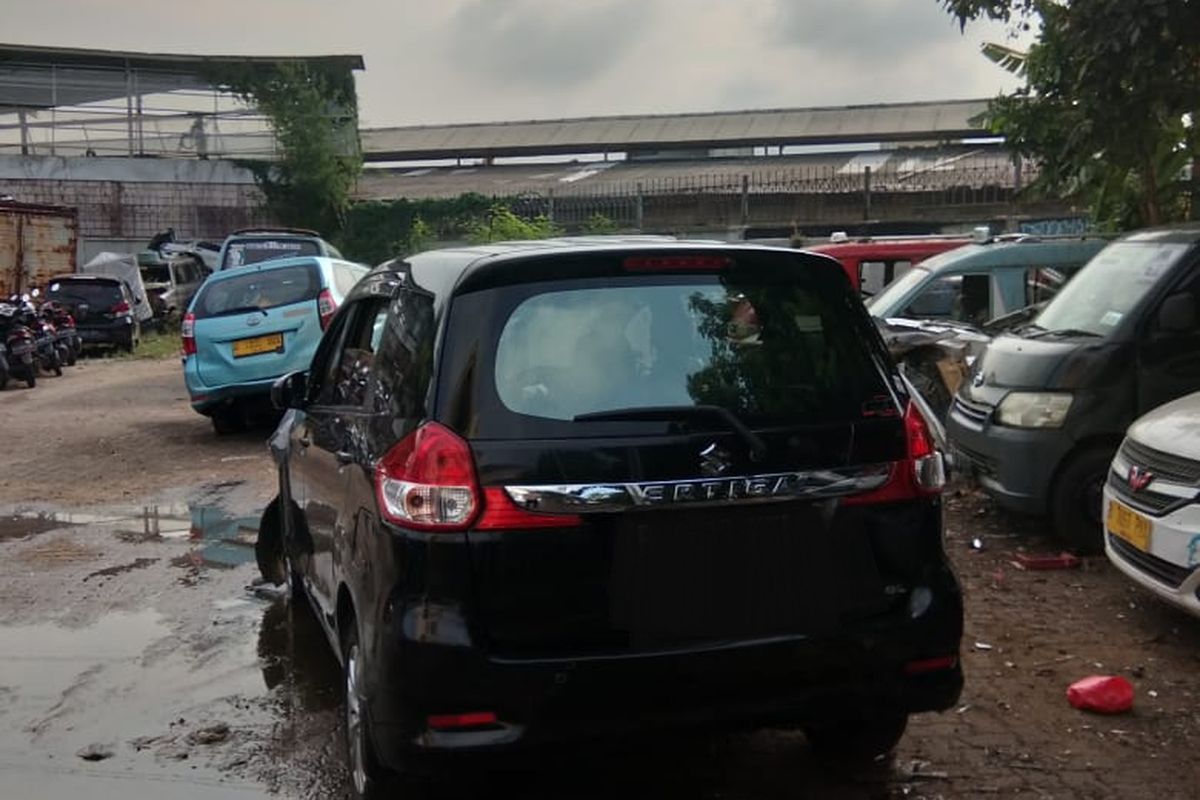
[[20, 346], [45, 338], [67, 339]]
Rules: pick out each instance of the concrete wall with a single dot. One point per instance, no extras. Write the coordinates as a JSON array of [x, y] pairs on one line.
[[130, 199]]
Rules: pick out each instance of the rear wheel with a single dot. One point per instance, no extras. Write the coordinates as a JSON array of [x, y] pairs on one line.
[[857, 739], [367, 775], [226, 421], [1077, 497]]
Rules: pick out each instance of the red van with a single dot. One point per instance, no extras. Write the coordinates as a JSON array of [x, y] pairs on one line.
[[873, 263]]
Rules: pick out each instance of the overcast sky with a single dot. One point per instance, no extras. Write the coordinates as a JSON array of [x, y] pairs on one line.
[[438, 61]]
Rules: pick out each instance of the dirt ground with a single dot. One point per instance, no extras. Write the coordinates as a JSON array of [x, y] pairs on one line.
[[135, 661]]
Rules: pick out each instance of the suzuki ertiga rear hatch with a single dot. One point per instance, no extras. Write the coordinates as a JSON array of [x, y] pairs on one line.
[[713, 445]]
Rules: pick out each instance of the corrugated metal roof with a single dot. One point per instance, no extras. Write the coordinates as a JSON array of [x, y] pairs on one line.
[[895, 122], [45, 77], [896, 170]]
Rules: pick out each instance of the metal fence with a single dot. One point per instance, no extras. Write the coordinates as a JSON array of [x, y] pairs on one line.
[[797, 193]]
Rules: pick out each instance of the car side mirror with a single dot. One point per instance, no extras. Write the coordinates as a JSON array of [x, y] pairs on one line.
[[290, 390], [1178, 313]]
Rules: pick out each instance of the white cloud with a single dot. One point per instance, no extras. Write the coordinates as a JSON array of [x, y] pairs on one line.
[[476, 60]]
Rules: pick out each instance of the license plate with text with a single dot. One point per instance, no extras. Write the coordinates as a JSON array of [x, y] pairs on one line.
[[272, 343]]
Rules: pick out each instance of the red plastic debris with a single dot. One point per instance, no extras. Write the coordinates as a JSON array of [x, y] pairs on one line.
[[1106, 694], [1060, 561]]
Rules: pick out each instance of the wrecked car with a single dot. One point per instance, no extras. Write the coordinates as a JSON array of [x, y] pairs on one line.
[[1049, 402]]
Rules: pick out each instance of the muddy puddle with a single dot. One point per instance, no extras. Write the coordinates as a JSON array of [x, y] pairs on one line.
[[221, 538]]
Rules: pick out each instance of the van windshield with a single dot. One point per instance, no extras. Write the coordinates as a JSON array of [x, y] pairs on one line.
[[1109, 287], [885, 303]]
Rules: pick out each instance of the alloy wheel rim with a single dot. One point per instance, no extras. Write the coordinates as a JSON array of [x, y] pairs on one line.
[[354, 722]]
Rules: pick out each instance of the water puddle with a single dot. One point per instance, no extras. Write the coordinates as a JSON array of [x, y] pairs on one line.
[[222, 539], [19, 526]]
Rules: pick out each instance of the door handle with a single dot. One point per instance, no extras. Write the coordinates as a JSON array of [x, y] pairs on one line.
[[343, 458]]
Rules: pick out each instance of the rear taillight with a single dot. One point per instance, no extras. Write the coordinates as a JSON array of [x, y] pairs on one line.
[[921, 474], [189, 334], [325, 307], [120, 308], [458, 722], [427, 482]]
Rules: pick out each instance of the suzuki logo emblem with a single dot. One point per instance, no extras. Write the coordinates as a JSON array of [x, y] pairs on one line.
[[1139, 478], [714, 461]]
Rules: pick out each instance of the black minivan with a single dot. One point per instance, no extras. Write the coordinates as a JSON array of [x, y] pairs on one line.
[[1048, 404], [540, 492]]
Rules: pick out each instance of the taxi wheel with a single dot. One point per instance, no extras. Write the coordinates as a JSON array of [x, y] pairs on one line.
[[1075, 503]]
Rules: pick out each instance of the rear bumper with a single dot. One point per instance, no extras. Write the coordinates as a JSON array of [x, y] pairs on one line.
[[545, 701], [207, 399], [118, 331]]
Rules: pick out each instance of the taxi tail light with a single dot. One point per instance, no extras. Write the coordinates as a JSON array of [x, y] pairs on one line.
[[427, 482], [188, 331], [119, 308], [921, 474], [325, 307]]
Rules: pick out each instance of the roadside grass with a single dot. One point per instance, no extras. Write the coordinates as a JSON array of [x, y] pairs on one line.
[[155, 344]]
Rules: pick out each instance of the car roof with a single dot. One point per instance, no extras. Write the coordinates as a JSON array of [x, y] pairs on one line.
[[1186, 233], [86, 278], [440, 271], [274, 233], [321, 262], [1013, 252]]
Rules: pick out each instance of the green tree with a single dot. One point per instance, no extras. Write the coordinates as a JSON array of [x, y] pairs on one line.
[[599, 224], [1110, 95], [502, 225], [312, 108]]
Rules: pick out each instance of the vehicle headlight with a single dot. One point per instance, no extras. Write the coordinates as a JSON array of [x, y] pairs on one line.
[[1034, 409]]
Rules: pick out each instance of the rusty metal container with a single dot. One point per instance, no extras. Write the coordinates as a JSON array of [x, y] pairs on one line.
[[36, 243]]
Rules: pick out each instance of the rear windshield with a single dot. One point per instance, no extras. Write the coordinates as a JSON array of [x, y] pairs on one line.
[[267, 289], [94, 293], [252, 251], [772, 350]]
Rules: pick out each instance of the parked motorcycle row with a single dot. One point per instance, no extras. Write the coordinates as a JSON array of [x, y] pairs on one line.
[[36, 337]]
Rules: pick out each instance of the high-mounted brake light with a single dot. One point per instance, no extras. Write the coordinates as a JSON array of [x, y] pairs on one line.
[[683, 262], [325, 307], [427, 482], [188, 330], [457, 722], [921, 474]]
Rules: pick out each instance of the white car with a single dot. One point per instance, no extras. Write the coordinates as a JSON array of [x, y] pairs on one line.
[[1152, 503]]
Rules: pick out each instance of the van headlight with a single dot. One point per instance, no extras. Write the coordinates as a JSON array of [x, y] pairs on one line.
[[1034, 409]]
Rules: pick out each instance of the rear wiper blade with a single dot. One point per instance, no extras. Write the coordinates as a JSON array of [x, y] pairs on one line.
[[244, 310], [758, 448]]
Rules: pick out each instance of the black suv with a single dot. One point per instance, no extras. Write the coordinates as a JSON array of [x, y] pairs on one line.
[[102, 307], [545, 491]]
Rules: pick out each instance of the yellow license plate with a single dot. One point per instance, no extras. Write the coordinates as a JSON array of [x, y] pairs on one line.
[[259, 344], [1129, 525]]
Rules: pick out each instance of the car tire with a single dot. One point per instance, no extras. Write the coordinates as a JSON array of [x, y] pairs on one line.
[[1076, 499], [31, 378], [269, 551], [368, 778], [226, 421], [859, 738], [3, 379]]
